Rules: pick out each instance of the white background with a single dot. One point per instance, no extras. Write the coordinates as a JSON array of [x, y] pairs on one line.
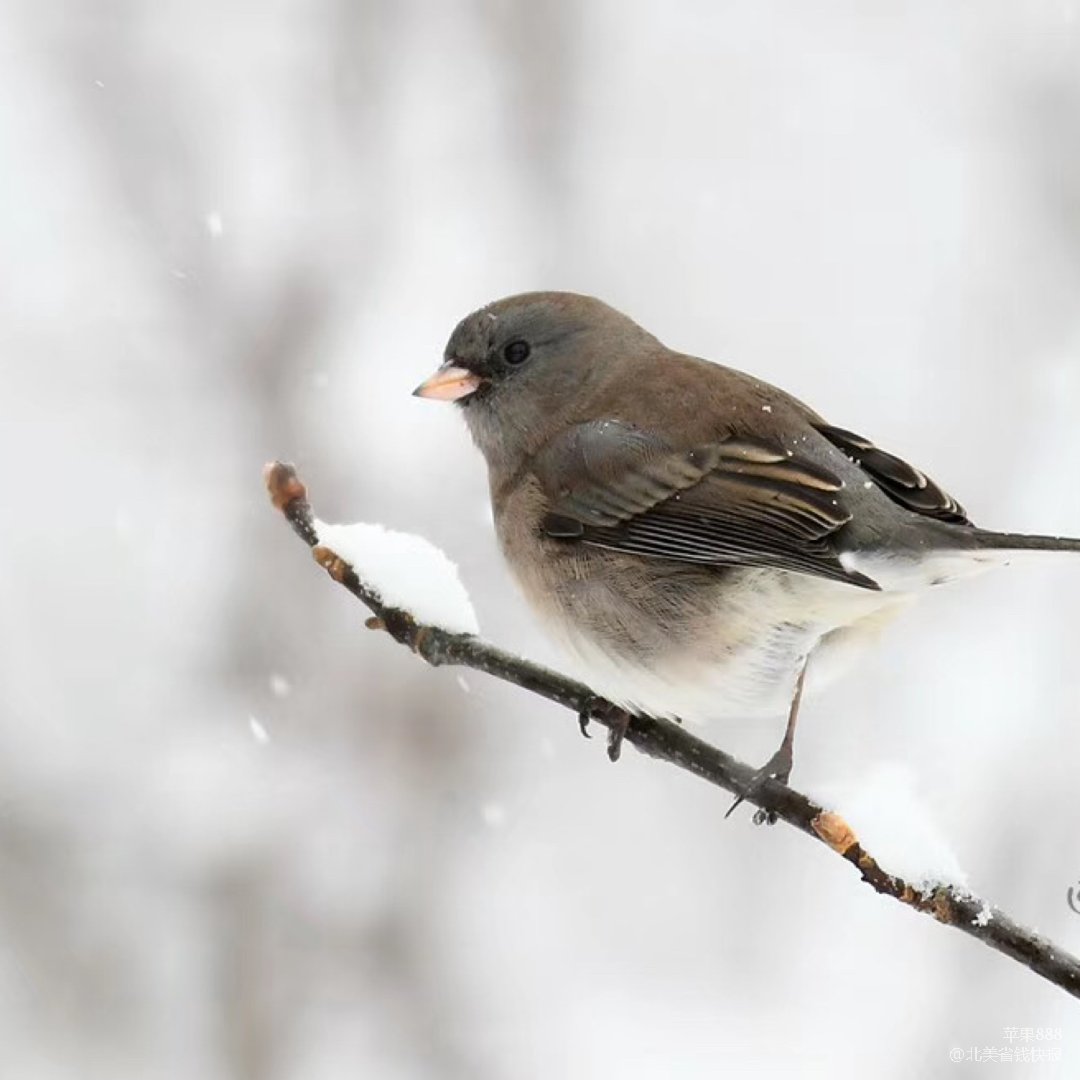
[[234, 231]]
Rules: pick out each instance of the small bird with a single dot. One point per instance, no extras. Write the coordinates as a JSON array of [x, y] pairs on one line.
[[701, 541]]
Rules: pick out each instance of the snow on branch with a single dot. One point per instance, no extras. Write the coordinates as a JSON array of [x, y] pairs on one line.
[[434, 623]]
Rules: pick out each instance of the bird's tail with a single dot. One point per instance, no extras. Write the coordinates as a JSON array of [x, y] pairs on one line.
[[1006, 543], [959, 552], [983, 549]]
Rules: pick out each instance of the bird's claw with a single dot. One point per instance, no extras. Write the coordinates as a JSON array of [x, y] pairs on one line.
[[618, 726], [778, 768], [616, 719]]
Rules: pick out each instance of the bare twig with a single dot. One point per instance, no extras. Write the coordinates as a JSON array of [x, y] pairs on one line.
[[669, 742]]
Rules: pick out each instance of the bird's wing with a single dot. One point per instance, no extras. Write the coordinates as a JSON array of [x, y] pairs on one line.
[[904, 484], [735, 502]]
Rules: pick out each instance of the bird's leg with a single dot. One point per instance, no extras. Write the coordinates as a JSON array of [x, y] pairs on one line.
[[778, 767], [615, 718]]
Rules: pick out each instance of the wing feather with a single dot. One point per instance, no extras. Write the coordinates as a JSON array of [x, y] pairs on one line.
[[736, 502], [903, 483]]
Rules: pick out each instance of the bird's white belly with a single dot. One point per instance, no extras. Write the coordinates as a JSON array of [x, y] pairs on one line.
[[747, 663]]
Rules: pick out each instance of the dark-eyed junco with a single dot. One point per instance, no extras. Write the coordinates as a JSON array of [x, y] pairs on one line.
[[699, 539]]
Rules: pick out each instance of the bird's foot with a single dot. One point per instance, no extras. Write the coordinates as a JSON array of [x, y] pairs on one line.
[[614, 718], [778, 768], [584, 718]]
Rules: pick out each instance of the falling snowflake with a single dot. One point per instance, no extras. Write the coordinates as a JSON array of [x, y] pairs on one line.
[[258, 732], [280, 687]]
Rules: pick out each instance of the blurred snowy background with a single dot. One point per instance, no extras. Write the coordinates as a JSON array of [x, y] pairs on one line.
[[240, 837]]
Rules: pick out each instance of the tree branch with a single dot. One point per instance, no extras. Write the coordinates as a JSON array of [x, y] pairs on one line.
[[669, 742]]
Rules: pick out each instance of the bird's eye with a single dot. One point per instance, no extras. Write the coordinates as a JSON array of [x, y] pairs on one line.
[[517, 352]]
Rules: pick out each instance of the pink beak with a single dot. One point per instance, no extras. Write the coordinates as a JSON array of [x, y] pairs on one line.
[[449, 383]]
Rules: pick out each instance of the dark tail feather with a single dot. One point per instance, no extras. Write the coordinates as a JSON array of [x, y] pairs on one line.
[[996, 541], [957, 551]]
